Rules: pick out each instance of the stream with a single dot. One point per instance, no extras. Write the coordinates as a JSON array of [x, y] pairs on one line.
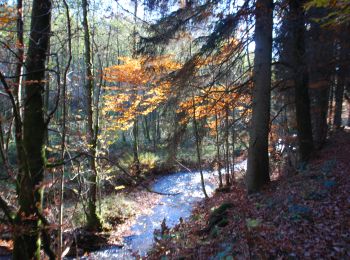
[[187, 187]]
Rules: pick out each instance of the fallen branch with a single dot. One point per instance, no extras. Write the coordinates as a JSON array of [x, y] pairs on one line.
[[183, 166]]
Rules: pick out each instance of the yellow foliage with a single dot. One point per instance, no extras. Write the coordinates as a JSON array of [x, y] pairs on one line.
[[213, 104], [6, 15], [140, 85], [119, 187], [141, 88]]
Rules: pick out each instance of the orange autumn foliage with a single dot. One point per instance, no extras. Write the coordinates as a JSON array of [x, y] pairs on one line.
[[6, 15], [215, 101], [139, 87]]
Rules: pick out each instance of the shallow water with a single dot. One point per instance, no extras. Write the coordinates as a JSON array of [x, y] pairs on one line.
[[170, 207]]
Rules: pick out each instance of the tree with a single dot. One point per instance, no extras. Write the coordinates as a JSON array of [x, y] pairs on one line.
[[342, 78], [27, 241], [300, 78], [320, 67], [258, 158], [339, 14], [93, 219], [198, 145], [123, 103], [63, 137]]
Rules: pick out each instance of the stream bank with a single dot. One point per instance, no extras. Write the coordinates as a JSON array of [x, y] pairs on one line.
[[186, 190], [300, 215], [166, 213]]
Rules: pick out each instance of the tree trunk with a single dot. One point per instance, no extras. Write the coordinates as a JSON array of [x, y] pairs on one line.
[[227, 150], [330, 100], [341, 83], [146, 128], [300, 78], [63, 138], [198, 149], [233, 146], [218, 150], [319, 49], [27, 240], [17, 89], [348, 123], [135, 129], [175, 138], [159, 133], [20, 53], [154, 129], [93, 219], [135, 147], [258, 158], [339, 93]]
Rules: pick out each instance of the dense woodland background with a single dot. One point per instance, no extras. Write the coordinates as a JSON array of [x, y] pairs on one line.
[[100, 96]]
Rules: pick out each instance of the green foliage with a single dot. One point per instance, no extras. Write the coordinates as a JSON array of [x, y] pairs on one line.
[[214, 232], [218, 217], [116, 209], [196, 217], [149, 159], [339, 11], [252, 223], [317, 3], [222, 208], [94, 221]]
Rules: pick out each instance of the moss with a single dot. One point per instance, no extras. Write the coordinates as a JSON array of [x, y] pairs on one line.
[[94, 221], [223, 222], [225, 189], [219, 216], [222, 208]]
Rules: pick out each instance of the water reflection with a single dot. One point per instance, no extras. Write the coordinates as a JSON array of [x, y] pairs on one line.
[[188, 187]]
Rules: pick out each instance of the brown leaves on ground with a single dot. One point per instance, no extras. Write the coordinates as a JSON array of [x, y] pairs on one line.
[[303, 216]]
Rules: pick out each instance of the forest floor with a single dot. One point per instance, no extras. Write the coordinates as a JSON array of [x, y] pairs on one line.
[[120, 211], [116, 223], [303, 215]]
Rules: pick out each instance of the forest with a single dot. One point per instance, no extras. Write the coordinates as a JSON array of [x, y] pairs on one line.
[[174, 129]]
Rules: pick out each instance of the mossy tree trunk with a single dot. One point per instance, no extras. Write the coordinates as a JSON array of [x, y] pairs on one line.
[[27, 241], [93, 219]]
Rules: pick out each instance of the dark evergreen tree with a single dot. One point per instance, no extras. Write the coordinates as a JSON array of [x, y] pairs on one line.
[[258, 158]]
